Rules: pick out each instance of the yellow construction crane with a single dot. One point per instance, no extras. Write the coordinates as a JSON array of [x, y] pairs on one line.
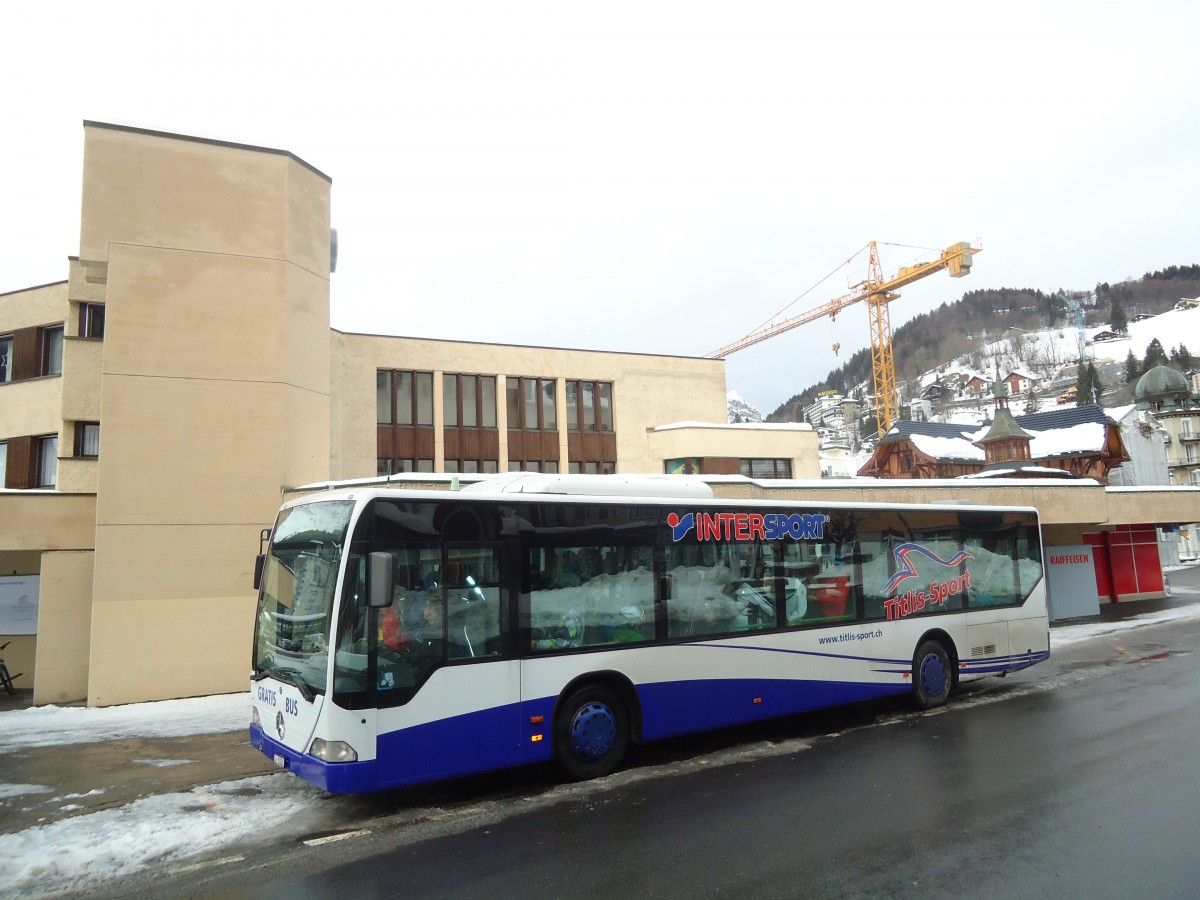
[[878, 291]]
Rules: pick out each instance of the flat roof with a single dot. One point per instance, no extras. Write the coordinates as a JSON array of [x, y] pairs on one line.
[[87, 123]]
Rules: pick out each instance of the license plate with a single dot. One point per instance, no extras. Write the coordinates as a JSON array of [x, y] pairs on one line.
[[279, 761]]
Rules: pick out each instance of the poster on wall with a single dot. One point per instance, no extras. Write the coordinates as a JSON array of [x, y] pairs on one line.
[[1071, 578], [19, 604]]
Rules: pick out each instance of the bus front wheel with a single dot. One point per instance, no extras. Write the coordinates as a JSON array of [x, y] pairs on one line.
[[932, 675], [591, 733]]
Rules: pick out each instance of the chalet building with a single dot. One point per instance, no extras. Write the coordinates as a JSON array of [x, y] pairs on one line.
[[1080, 441], [1019, 381]]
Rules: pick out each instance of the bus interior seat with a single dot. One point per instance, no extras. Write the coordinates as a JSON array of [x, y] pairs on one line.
[[831, 593]]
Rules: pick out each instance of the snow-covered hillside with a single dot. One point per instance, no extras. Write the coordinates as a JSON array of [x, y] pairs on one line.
[[740, 410], [1048, 355]]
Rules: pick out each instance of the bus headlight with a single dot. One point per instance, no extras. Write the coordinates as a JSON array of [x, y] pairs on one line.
[[255, 719], [332, 751]]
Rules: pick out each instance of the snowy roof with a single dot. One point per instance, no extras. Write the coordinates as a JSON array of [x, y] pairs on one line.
[[1056, 433], [1020, 373], [739, 426], [1005, 470]]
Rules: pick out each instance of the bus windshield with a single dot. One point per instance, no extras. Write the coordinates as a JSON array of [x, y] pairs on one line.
[[295, 605]]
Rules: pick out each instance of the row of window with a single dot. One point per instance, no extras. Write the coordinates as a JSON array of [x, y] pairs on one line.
[[37, 352], [391, 466], [751, 468], [604, 576], [469, 401], [35, 458], [31, 353]]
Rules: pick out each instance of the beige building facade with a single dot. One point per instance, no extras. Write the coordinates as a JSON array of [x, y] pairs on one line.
[[157, 404]]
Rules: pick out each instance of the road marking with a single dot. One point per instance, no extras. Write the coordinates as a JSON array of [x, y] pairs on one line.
[[330, 838], [207, 864]]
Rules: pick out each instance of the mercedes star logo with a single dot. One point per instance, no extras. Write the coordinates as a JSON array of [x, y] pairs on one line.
[[279, 726]]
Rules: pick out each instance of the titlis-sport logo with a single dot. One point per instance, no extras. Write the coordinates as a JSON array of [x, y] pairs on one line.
[[914, 601], [728, 526]]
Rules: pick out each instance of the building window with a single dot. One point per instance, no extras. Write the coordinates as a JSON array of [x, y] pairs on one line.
[[469, 401], [472, 466], [589, 406], [592, 468], [87, 439], [404, 412], [546, 467], [403, 398], [385, 466], [6, 356], [689, 465], [1186, 425], [91, 320], [766, 468], [51, 351], [47, 461], [3, 465], [531, 404]]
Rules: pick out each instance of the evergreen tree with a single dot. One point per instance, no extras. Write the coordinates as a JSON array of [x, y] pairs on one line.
[[1182, 359], [1083, 386], [1088, 387], [1155, 356], [1117, 318], [1133, 370]]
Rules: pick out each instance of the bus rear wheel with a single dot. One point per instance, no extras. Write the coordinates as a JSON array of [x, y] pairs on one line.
[[591, 733], [932, 675]]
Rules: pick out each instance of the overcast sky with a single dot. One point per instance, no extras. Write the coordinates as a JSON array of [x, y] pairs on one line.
[[651, 177]]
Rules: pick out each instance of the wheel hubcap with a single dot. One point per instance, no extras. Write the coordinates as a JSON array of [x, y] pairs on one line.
[[593, 731], [933, 675]]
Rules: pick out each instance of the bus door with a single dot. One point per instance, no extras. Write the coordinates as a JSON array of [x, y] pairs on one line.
[[469, 686]]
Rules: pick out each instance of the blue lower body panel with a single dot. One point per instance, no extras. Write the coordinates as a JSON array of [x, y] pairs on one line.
[[507, 736], [678, 707]]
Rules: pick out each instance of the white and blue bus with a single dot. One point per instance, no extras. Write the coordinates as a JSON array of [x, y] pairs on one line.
[[404, 636]]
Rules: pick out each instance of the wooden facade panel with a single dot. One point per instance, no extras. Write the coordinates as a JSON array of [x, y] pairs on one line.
[[25, 354], [720, 465], [472, 443], [400, 442], [592, 446], [21, 467], [533, 445]]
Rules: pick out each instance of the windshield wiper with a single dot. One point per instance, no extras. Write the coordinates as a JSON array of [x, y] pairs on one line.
[[289, 676]]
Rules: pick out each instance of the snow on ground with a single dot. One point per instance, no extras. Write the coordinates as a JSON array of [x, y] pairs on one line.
[[46, 726], [166, 830]]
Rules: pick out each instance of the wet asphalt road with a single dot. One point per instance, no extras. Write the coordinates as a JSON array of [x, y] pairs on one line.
[[1079, 779]]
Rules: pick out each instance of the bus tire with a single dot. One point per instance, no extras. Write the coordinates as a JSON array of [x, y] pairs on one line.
[[932, 675], [591, 733]]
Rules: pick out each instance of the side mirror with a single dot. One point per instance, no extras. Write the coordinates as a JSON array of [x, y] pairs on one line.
[[380, 567], [260, 563]]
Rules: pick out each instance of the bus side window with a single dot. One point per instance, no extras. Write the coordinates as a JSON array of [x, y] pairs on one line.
[[589, 596], [473, 602]]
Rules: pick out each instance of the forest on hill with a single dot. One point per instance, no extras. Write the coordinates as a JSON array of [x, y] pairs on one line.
[[964, 326]]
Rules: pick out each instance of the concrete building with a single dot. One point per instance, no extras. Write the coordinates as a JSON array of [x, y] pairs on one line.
[[156, 404]]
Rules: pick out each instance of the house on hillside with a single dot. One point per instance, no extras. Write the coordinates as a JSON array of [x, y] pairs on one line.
[[1076, 441], [1019, 380], [974, 385]]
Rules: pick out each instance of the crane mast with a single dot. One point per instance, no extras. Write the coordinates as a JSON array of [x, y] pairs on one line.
[[878, 291]]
